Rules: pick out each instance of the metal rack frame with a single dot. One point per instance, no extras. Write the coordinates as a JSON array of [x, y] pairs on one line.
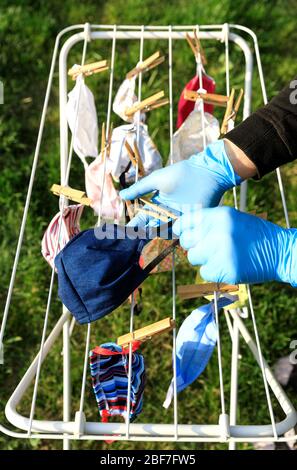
[[227, 430]]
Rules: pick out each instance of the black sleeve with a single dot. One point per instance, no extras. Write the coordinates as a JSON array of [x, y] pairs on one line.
[[269, 136]]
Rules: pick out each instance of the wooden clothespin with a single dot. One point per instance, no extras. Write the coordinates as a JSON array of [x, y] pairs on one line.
[[192, 291], [152, 102], [231, 110], [157, 211], [72, 194], [147, 64], [148, 332], [210, 98], [88, 69], [130, 209], [156, 105], [196, 47], [135, 157]]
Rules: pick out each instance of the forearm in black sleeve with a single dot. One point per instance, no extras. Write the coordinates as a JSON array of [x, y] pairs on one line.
[[269, 136]]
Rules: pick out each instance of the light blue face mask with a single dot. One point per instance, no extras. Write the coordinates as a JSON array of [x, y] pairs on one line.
[[195, 343]]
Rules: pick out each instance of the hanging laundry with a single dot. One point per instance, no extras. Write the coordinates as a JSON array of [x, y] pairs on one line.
[[109, 365], [82, 119], [112, 204], [195, 343], [185, 107], [119, 156], [126, 98], [69, 228], [101, 267], [188, 139]]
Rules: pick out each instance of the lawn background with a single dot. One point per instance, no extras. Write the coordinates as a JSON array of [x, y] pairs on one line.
[[27, 33]]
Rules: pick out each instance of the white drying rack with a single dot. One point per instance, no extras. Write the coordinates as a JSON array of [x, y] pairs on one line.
[[227, 429]]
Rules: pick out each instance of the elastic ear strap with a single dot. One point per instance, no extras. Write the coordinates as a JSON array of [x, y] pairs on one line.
[[161, 256]]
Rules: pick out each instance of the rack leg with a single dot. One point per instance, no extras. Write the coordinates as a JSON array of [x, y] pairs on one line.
[[66, 378], [234, 379]]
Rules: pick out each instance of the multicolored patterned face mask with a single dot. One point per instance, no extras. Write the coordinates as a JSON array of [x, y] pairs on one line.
[[109, 365]]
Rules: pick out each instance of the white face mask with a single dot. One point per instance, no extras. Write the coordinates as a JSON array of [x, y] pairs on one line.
[[126, 98], [188, 139], [82, 119], [100, 189], [119, 158]]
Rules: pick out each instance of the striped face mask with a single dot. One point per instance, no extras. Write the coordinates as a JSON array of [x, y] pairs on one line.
[[69, 228], [109, 365]]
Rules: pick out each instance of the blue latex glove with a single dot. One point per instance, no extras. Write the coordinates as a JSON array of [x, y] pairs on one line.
[[197, 182], [236, 247]]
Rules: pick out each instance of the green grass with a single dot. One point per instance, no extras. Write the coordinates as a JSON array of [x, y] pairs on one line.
[[27, 33]]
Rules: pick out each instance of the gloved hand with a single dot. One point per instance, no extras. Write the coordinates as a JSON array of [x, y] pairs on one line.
[[235, 247], [197, 182]]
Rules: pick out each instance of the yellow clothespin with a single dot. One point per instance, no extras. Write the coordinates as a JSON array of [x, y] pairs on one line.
[[135, 158], [147, 332], [231, 110], [88, 69], [157, 211], [154, 101], [72, 194], [210, 98], [196, 47], [147, 64], [192, 291]]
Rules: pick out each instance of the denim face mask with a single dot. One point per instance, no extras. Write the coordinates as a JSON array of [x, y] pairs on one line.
[[195, 343], [99, 268]]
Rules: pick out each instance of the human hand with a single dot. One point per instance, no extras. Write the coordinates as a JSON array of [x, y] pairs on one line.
[[197, 182], [235, 247]]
